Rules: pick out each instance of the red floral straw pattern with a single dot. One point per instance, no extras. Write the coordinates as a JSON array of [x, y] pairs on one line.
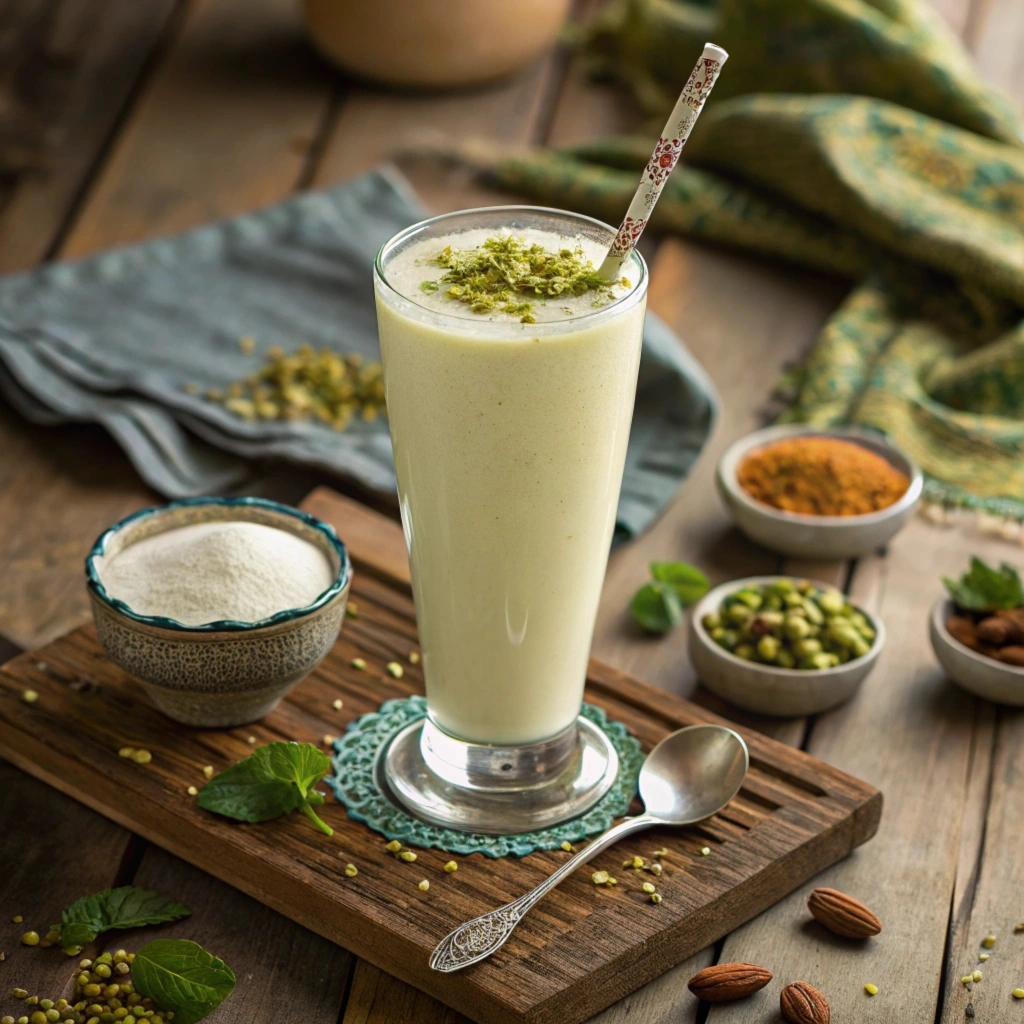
[[663, 159]]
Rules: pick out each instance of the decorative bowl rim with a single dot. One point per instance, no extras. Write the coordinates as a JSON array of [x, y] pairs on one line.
[[778, 671], [768, 435], [942, 606], [340, 582]]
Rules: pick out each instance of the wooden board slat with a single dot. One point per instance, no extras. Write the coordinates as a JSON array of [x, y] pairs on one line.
[[579, 953]]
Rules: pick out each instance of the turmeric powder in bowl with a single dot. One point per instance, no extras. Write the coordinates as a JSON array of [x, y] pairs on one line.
[[821, 476]]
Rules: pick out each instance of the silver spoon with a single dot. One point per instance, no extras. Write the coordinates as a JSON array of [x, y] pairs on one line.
[[689, 776]]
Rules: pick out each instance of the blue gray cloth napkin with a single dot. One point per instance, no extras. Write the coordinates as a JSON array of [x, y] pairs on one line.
[[115, 339]]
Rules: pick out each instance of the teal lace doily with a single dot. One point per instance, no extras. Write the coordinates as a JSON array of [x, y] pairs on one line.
[[352, 780]]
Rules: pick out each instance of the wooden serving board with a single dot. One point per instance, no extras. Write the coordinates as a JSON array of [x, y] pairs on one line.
[[578, 951]]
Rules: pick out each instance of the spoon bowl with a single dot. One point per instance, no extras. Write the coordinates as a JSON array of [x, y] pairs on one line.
[[693, 773]]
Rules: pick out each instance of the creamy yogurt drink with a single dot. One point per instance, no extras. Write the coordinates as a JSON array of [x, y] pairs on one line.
[[509, 440]]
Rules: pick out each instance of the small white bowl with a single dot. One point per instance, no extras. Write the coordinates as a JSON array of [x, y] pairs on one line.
[[765, 688], [819, 537], [970, 670]]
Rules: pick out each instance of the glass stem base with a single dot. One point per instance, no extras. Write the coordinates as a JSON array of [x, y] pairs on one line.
[[498, 790]]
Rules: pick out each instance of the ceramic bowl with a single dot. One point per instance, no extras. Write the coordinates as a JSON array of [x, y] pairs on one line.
[[220, 673], [765, 688], [818, 537], [970, 670]]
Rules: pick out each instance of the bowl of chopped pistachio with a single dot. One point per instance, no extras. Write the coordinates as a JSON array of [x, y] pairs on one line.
[[782, 646], [830, 493]]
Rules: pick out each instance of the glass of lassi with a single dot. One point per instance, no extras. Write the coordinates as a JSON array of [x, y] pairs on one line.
[[509, 410]]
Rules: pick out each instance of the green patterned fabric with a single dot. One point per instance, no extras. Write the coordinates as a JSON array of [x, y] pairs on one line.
[[850, 136]]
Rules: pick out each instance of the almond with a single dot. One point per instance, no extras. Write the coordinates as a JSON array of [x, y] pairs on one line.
[[843, 914], [804, 1004], [722, 982]]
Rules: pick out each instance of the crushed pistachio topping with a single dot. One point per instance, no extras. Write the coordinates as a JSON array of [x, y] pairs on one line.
[[394, 846], [450, 867], [304, 385], [407, 855], [568, 847], [603, 878], [351, 871], [505, 275], [424, 885]]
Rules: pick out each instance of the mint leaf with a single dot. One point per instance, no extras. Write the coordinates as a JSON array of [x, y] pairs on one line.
[[983, 588], [271, 781], [689, 583], [126, 907], [657, 608], [182, 977]]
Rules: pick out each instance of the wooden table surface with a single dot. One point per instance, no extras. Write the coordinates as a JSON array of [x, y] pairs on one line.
[[129, 119]]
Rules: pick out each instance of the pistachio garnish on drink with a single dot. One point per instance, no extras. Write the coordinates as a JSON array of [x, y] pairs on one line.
[[790, 624]]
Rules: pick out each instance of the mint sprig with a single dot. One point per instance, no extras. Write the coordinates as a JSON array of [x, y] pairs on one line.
[[658, 606], [271, 781], [984, 589]]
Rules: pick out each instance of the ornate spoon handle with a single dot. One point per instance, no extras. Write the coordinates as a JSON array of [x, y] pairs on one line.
[[478, 939]]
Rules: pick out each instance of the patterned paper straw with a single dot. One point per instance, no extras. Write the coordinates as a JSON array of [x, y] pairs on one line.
[[663, 159]]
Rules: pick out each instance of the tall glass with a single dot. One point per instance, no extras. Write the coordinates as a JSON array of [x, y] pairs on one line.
[[509, 442]]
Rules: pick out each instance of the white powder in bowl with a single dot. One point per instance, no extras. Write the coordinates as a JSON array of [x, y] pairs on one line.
[[212, 571]]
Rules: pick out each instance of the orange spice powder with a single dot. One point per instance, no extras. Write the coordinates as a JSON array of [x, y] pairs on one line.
[[821, 476]]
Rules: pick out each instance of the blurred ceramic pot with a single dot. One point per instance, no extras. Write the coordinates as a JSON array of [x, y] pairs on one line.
[[433, 44]]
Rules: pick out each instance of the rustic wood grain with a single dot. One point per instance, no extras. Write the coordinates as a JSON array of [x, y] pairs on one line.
[[66, 75], [793, 816], [53, 850], [224, 126], [380, 998]]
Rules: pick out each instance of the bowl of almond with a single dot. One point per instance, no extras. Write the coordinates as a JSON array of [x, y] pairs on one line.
[[977, 632]]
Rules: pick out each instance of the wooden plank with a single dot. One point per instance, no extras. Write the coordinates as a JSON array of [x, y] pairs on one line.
[[380, 998], [225, 125], [910, 732], [284, 972], [69, 75], [817, 816], [54, 850]]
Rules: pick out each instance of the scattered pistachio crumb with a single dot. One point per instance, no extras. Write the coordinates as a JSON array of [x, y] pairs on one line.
[[424, 885], [872, 990], [705, 850], [989, 941], [19, 993], [351, 870], [337, 704], [192, 791], [1018, 927], [407, 855], [663, 852], [394, 846], [17, 919], [600, 877], [414, 657], [450, 867], [395, 669], [352, 610], [208, 771], [142, 756], [655, 869], [965, 980], [251, 740], [655, 897], [983, 956], [29, 696], [976, 976], [1018, 993], [126, 752], [327, 739], [568, 847], [30, 939], [358, 663], [648, 887], [636, 862]]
